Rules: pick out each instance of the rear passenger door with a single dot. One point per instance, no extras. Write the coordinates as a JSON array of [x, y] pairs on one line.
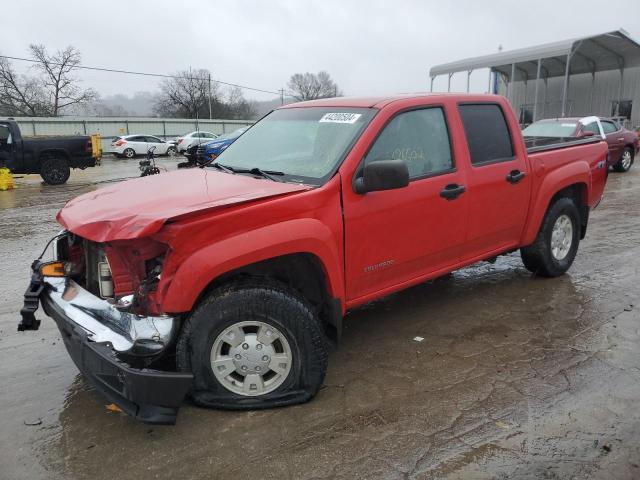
[[498, 183]]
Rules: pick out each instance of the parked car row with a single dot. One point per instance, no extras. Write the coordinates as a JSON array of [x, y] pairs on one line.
[[623, 144], [129, 146], [210, 150]]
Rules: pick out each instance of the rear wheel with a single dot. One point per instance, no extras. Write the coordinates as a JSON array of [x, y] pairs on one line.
[[556, 245], [625, 162], [55, 170], [253, 345], [129, 153]]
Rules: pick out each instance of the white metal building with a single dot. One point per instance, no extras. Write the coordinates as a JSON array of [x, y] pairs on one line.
[[595, 75]]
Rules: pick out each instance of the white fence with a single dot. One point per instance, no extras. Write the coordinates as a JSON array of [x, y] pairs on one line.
[[110, 127]]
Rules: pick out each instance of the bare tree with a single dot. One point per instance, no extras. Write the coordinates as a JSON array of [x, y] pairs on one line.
[[58, 81], [48, 93], [310, 86], [20, 94], [186, 94], [238, 107]]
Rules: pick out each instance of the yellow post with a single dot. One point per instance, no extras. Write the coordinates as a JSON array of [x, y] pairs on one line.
[[96, 147], [6, 180]]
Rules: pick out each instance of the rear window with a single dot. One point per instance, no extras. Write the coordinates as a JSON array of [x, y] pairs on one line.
[[487, 133], [550, 129]]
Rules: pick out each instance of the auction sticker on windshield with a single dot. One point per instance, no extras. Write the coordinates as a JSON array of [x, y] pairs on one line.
[[340, 117]]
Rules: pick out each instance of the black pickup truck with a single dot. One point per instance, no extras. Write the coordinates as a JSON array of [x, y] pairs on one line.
[[52, 157]]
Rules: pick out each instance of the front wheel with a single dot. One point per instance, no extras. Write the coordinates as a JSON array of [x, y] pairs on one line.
[[556, 245], [253, 345], [172, 152], [625, 162]]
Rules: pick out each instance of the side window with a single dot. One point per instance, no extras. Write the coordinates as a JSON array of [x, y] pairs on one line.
[[609, 127], [487, 133], [5, 133], [420, 138], [153, 140], [591, 127], [137, 139]]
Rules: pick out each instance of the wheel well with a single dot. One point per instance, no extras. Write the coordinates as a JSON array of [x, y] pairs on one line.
[[53, 154], [633, 150], [302, 272], [578, 193]]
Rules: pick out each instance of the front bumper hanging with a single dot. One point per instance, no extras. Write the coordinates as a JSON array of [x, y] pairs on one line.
[[97, 335]]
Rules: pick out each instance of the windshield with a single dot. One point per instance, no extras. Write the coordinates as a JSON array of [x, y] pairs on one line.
[[550, 129], [306, 144]]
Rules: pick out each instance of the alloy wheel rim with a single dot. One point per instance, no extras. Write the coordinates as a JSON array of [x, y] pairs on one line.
[[561, 237], [251, 358], [626, 159]]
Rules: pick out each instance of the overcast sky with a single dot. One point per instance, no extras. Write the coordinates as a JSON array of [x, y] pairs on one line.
[[368, 47]]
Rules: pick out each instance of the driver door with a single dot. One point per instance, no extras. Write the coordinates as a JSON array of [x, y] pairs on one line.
[[394, 237]]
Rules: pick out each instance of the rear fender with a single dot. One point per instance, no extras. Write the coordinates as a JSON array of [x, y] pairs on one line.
[[196, 272], [555, 181]]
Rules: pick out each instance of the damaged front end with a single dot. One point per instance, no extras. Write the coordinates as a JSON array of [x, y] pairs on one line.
[[102, 297]]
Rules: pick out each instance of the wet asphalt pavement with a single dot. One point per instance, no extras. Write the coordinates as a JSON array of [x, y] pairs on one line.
[[517, 377]]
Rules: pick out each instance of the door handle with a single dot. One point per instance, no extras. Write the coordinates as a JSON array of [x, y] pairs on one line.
[[515, 176], [452, 191]]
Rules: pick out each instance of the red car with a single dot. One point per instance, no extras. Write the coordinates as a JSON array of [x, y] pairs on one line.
[[623, 143], [240, 273]]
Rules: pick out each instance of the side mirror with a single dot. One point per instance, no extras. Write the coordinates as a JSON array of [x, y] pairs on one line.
[[586, 133], [382, 175]]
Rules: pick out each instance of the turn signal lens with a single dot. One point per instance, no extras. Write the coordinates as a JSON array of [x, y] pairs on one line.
[[213, 156], [53, 269]]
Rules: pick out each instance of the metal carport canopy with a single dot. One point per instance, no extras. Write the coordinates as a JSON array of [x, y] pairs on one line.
[[607, 51]]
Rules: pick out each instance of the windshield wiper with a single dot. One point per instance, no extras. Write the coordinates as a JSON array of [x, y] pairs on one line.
[[219, 166], [268, 174]]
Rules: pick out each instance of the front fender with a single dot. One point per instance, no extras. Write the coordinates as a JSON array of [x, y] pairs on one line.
[[555, 181], [305, 235]]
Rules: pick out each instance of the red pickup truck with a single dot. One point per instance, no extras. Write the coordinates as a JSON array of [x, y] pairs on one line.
[[227, 282]]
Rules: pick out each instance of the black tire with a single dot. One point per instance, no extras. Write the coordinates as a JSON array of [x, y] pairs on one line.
[[172, 152], [55, 170], [129, 153], [624, 165], [538, 257], [268, 302]]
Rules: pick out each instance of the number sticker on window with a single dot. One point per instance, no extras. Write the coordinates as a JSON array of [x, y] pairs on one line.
[[340, 117]]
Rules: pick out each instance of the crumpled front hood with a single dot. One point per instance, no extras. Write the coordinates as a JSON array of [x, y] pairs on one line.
[[140, 207]]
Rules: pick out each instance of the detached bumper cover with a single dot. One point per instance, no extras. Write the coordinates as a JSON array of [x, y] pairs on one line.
[[151, 396]]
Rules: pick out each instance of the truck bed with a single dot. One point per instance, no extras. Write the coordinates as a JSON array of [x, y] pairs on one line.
[[543, 144]]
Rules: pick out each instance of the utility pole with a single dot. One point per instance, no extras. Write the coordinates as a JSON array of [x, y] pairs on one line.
[[210, 117], [282, 96]]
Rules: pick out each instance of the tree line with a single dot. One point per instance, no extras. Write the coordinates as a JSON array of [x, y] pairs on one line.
[[51, 89]]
